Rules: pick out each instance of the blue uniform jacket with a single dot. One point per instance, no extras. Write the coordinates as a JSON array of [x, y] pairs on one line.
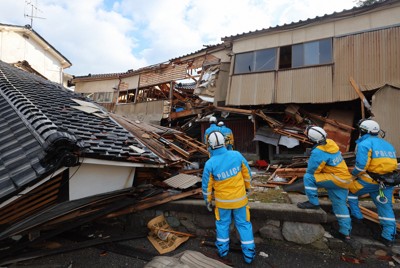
[[375, 155], [228, 174], [326, 163]]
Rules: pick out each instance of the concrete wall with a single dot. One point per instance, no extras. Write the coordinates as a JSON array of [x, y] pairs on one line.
[[19, 46]]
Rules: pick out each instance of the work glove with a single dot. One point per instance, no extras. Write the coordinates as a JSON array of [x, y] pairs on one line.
[[209, 206]]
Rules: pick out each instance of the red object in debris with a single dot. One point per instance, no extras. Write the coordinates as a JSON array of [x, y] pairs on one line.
[[351, 259], [260, 164]]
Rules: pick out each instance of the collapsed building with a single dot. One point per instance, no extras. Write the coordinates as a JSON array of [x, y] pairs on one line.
[[60, 149], [268, 84]]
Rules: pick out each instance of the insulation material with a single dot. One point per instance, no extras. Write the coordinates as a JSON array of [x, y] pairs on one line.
[[207, 84]]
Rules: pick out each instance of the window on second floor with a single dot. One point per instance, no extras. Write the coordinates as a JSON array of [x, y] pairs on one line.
[[291, 56], [312, 53], [255, 61]]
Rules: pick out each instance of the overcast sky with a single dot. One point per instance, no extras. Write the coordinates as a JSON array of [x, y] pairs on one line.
[[112, 36]]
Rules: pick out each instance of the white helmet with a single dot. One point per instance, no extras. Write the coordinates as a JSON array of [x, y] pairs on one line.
[[369, 126], [216, 140], [220, 123], [316, 134], [213, 119]]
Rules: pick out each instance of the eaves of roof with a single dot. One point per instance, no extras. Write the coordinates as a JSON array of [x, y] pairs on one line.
[[95, 77], [207, 49], [326, 18], [47, 46], [44, 126], [131, 72]]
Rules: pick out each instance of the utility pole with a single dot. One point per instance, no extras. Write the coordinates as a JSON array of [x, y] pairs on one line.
[[34, 10]]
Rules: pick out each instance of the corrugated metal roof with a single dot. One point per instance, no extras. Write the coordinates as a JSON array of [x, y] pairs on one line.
[[351, 12]]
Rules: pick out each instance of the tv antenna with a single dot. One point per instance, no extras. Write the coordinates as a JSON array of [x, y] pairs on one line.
[[34, 10]]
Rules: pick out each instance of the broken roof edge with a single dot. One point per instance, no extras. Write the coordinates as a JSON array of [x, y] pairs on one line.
[[131, 72], [27, 189], [96, 161]]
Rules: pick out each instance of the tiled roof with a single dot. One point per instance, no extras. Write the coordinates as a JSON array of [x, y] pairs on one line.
[[41, 131], [187, 86]]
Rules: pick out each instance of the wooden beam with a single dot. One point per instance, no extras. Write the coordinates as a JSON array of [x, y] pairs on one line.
[[361, 95], [154, 201], [234, 110], [330, 121]]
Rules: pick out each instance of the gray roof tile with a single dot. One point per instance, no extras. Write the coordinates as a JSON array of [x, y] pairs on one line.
[[38, 125]]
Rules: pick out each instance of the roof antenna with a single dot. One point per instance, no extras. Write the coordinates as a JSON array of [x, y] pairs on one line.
[[34, 10]]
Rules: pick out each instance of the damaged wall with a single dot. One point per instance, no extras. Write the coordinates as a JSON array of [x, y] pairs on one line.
[[385, 107], [163, 75]]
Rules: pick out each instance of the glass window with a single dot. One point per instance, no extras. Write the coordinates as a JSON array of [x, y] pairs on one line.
[[325, 51], [244, 63], [255, 61], [297, 55], [312, 53], [265, 60]]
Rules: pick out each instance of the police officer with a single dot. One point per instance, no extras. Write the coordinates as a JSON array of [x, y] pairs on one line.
[[228, 135], [230, 181], [327, 169], [374, 155], [213, 127]]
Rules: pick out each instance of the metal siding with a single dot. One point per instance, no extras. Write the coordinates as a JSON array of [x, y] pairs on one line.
[[372, 59], [385, 102], [305, 85], [251, 89]]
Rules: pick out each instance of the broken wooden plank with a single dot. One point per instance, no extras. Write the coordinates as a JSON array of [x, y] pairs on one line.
[[190, 142], [145, 204], [234, 110], [373, 216], [330, 121], [273, 123], [170, 144], [362, 97]]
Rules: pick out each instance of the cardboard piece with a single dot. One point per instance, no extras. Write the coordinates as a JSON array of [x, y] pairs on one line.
[[160, 238]]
